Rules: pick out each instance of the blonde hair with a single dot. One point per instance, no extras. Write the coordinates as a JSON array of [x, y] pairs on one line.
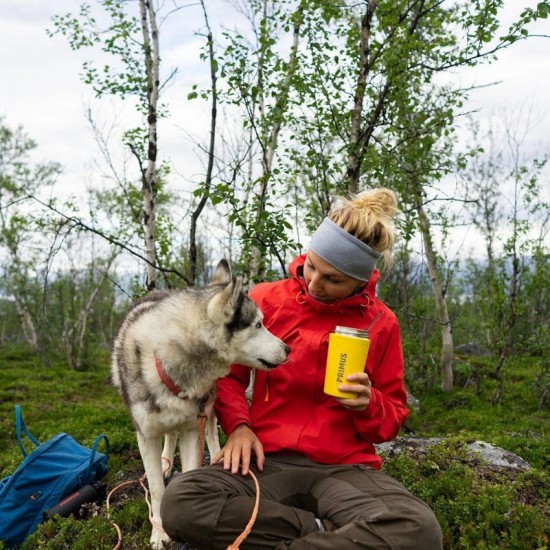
[[369, 217]]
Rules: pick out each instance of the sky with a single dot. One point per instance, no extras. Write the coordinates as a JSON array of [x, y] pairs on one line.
[[41, 89]]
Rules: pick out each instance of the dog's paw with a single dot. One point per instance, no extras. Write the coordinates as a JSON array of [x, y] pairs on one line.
[[159, 540]]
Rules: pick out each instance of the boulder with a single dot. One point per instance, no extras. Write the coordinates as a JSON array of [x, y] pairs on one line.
[[472, 349], [495, 457]]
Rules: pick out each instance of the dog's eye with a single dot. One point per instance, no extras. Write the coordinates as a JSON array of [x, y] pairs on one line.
[[259, 324]]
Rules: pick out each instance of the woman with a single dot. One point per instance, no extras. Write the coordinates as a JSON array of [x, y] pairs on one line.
[[319, 474]]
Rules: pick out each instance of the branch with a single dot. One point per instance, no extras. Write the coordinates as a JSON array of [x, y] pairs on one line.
[[211, 150], [77, 222]]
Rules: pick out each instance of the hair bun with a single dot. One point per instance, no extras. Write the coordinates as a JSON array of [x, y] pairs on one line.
[[382, 201], [368, 216]]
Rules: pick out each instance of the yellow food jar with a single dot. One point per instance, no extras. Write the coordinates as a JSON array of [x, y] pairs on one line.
[[347, 354]]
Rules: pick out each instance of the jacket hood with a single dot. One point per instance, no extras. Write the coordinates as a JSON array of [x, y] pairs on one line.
[[289, 411], [367, 293]]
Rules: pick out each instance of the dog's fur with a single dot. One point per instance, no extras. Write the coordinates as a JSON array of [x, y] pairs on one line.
[[197, 334]]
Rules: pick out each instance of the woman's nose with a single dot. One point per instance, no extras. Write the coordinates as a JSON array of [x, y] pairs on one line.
[[314, 283]]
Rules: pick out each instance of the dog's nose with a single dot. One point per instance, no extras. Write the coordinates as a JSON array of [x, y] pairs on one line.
[[287, 349]]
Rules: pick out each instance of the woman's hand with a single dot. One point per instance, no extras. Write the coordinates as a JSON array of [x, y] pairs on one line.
[[359, 384], [238, 451]]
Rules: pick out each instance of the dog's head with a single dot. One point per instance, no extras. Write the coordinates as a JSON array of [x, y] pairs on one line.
[[245, 339]]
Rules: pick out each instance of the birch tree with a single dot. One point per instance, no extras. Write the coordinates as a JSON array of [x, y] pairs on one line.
[[330, 95], [400, 114], [506, 182], [77, 292], [19, 181], [133, 42], [260, 79]]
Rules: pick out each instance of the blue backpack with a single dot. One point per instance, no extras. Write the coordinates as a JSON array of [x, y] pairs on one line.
[[46, 476]]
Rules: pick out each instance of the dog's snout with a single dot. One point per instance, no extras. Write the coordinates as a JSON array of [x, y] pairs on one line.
[[287, 349]]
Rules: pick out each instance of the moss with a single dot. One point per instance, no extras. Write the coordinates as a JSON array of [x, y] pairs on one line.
[[478, 508]]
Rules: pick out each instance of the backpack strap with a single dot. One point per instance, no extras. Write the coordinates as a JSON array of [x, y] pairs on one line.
[[97, 441], [20, 426]]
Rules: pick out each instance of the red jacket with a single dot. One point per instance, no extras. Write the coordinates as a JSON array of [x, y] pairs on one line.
[[289, 412]]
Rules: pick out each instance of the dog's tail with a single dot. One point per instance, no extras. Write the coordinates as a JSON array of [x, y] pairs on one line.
[[115, 378], [115, 368]]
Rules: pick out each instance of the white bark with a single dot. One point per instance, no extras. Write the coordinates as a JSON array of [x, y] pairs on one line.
[[441, 304], [151, 52]]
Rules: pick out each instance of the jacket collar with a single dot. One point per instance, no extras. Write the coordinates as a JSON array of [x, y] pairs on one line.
[[363, 298]]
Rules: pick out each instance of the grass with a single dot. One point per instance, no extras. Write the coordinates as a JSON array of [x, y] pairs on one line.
[[515, 424], [478, 507]]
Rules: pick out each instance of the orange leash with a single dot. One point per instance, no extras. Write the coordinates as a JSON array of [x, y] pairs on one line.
[[201, 418], [141, 481], [240, 539]]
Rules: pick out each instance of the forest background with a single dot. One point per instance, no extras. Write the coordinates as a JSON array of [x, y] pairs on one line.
[[303, 102], [296, 103]]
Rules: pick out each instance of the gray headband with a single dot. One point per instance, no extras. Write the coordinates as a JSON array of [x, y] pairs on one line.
[[343, 251]]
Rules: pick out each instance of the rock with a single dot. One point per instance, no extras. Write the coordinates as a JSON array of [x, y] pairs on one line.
[[471, 348], [495, 457], [403, 444]]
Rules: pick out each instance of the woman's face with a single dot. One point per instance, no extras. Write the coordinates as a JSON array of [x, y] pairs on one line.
[[325, 283]]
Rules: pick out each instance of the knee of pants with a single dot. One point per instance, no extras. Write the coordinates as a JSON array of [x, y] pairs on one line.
[[170, 507], [178, 506], [192, 503], [426, 531]]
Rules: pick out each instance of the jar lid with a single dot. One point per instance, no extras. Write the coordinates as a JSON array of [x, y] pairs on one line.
[[350, 331]]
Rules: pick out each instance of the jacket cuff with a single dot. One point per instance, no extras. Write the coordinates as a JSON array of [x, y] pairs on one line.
[[236, 423], [372, 407]]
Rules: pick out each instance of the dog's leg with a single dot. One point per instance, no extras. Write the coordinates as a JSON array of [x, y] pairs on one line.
[[211, 436], [189, 452], [170, 440], [150, 449]]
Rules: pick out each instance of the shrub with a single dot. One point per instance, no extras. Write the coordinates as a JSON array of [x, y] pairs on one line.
[[477, 507]]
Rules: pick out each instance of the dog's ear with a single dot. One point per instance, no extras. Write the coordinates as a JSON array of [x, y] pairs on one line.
[[233, 294], [235, 303], [238, 293], [222, 275], [229, 303]]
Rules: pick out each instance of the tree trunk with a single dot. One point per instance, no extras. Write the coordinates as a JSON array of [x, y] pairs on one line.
[[27, 324], [211, 150], [510, 323], [75, 335], [271, 142], [149, 184], [357, 142], [441, 304]]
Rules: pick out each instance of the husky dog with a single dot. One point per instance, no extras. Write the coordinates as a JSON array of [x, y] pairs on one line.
[[170, 350]]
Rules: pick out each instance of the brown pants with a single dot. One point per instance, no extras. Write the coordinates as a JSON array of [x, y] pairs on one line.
[[208, 508]]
